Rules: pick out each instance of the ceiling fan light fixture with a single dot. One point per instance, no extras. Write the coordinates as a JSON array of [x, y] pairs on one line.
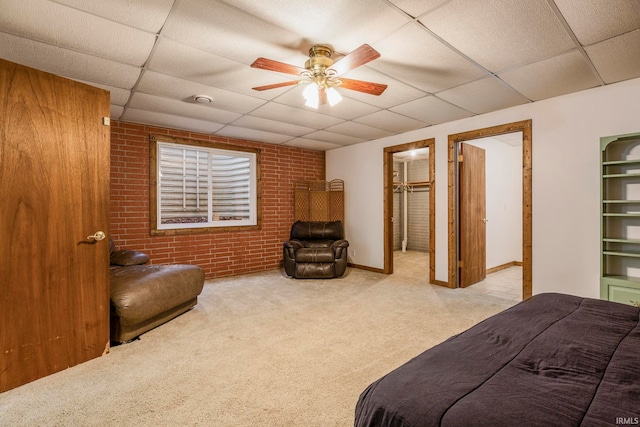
[[333, 96], [311, 96], [310, 91], [311, 103]]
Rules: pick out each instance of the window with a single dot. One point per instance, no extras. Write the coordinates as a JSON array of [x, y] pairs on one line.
[[199, 185]]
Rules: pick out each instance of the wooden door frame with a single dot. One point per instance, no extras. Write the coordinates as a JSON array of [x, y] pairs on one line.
[[525, 127], [388, 202]]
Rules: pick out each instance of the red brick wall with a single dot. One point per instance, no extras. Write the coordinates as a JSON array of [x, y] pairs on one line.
[[219, 253]]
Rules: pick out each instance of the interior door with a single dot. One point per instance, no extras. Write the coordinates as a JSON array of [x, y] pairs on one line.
[[472, 193], [54, 175]]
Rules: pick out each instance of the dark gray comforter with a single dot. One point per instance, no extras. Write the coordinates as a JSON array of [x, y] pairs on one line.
[[553, 360]]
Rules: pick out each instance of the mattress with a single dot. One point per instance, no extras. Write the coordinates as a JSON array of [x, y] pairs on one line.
[[553, 359]]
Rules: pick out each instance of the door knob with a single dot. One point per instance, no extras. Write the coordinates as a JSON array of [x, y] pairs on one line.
[[99, 235], [485, 220]]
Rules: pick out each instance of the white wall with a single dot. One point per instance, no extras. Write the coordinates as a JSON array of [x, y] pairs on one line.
[[566, 187], [503, 164]]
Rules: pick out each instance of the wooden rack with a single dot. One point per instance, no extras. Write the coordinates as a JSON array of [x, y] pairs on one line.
[[318, 200]]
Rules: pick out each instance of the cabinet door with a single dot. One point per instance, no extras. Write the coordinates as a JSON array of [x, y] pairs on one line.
[[625, 295], [54, 170]]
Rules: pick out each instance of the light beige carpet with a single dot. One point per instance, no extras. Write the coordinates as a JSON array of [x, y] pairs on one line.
[[258, 350]]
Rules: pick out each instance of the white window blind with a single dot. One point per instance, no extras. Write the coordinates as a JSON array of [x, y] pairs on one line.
[[230, 184], [184, 182], [205, 187]]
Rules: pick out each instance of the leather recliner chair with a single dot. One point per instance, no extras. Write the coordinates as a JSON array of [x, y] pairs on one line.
[[316, 250]]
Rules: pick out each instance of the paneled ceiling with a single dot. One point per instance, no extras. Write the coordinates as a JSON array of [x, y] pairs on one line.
[[442, 59]]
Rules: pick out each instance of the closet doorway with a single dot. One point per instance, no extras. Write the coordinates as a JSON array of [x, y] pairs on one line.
[[409, 173], [455, 141]]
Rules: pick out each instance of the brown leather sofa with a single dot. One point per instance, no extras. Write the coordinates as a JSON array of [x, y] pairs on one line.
[[316, 250], [144, 296]]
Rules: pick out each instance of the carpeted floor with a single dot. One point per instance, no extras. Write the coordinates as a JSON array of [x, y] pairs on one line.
[[258, 350]]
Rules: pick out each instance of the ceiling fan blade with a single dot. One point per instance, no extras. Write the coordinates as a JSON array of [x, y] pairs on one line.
[[281, 67], [362, 86], [276, 85], [358, 57]]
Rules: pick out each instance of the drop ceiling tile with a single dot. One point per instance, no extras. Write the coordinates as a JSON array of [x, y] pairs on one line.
[[334, 138], [148, 15], [309, 144], [142, 101], [169, 121], [229, 32], [555, 76], [358, 130], [253, 135], [296, 116], [155, 83], [346, 109], [500, 34], [618, 58], [432, 110], [116, 111], [192, 64], [413, 56], [391, 121], [272, 126], [118, 96], [67, 63], [483, 96], [593, 21], [82, 32], [416, 8], [343, 24]]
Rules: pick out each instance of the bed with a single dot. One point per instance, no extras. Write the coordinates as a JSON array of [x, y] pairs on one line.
[[553, 359]]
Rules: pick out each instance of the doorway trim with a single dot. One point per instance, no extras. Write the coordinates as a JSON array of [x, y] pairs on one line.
[[527, 210], [388, 202]]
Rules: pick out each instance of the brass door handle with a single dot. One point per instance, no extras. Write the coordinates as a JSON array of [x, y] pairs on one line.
[[99, 235], [485, 220]]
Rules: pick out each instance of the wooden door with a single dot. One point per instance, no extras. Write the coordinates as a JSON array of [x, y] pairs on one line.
[[54, 192], [472, 205]]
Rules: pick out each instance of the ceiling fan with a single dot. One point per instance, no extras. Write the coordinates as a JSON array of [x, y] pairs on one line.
[[322, 74]]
